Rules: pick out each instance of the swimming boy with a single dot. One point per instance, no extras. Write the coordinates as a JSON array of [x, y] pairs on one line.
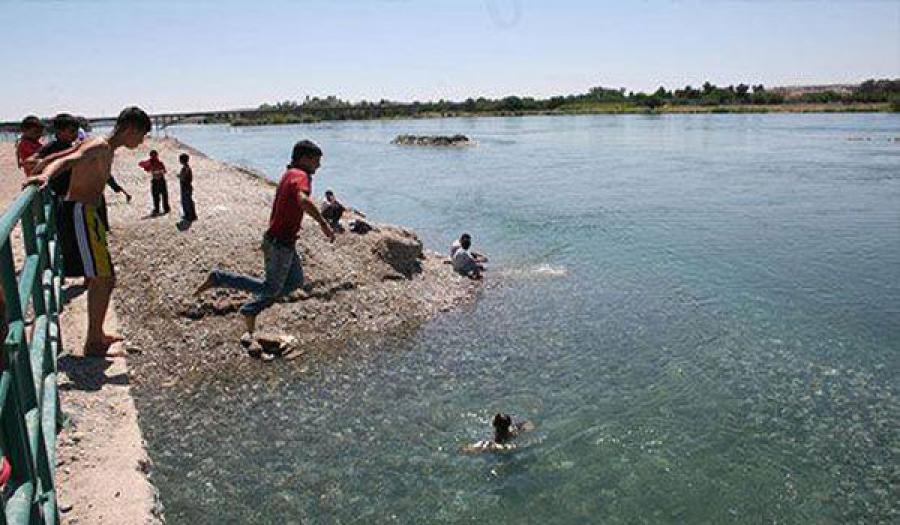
[[82, 235], [505, 430], [284, 274]]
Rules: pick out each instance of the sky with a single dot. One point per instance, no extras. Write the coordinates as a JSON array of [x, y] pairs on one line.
[[93, 57]]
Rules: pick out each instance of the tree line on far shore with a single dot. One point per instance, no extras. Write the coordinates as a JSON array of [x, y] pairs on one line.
[[707, 96]]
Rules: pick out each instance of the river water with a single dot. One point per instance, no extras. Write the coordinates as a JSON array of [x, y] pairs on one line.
[[701, 315]]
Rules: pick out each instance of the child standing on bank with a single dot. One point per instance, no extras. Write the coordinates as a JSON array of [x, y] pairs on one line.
[[186, 179], [158, 188]]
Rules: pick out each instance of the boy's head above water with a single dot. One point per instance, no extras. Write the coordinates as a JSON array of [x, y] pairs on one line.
[[502, 427]]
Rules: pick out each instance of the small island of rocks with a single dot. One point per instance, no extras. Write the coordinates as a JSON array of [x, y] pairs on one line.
[[433, 140]]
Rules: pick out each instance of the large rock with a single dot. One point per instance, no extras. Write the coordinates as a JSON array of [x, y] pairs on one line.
[[401, 250]]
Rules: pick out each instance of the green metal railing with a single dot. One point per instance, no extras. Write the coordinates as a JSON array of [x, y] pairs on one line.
[[29, 407]]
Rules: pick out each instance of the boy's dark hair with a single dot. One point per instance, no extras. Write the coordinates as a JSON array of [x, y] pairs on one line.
[[465, 237], [30, 122], [502, 424], [133, 117], [64, 121], [329, 192], [184, 157], [304, 148], [154, 153]]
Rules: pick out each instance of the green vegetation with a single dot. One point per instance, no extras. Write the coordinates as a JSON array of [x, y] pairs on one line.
[[895, 103], [871, 95]]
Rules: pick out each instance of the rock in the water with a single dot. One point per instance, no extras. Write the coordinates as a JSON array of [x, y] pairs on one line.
[[432, 140]]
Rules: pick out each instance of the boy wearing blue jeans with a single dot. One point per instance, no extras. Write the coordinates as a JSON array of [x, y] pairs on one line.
[[284, 273]]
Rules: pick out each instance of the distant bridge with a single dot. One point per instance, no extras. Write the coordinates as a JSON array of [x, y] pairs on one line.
[[163, 120]]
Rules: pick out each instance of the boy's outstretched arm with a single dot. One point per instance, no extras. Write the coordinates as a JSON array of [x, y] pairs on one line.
[[308, 206], [45, 171], [41, 164]]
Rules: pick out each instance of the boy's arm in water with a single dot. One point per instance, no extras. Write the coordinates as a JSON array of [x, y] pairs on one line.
[[488, 446], [309, 207]]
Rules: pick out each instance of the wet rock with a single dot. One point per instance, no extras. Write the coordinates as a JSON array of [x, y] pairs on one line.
[[432, 140]]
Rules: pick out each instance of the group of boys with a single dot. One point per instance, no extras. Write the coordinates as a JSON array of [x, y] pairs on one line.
[[78, 174], [159, 190], [77, 168]]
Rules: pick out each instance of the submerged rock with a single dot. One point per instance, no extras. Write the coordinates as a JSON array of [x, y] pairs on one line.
[[433, 140]]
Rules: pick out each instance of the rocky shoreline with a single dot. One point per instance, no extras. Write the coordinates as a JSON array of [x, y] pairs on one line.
[[362, 286], [361, 289]]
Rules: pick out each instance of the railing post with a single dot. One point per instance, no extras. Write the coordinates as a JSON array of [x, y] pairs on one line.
[[28, 393]]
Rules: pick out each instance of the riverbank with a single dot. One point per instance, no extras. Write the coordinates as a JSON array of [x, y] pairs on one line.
[[361, 288], [358, 287], [252, 119], [274, 119]]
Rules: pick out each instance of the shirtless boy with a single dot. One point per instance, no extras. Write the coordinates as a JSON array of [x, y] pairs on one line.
[[82, 235]]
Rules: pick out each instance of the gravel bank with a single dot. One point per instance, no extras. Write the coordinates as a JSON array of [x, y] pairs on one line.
[[361, 286]]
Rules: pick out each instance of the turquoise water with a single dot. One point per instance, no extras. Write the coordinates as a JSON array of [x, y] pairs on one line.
[[701, 314]]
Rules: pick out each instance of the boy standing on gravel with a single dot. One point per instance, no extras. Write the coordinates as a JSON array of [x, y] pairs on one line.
[[186, 180], [158, 189], [82, 234], [284, 273]]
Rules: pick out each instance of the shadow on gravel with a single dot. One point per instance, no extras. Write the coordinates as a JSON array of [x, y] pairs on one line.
[[88, 373], [233, 300]]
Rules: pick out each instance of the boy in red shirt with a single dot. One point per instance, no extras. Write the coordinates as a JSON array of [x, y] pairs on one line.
[[284, 273], [29, 143], [158, 188]]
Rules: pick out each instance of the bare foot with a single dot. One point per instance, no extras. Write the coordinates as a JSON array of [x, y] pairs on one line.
[[105, 346], [103, 350], [207, 284]]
